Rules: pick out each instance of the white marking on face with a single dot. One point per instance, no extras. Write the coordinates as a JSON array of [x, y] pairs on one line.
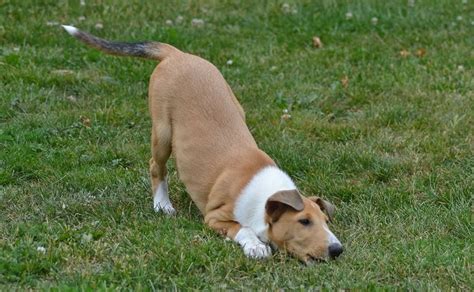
[[161, 199], [331, 237]]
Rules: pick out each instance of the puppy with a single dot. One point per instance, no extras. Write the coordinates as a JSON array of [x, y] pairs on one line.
[[238, 188]]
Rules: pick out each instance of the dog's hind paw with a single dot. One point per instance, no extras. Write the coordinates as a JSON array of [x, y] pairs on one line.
[[165, 208], [257, 251]]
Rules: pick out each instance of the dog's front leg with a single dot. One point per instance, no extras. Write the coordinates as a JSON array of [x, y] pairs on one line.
[[253, 247], [244, 236]]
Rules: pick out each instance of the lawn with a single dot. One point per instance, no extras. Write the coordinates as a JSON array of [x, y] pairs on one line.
[[380, 122]]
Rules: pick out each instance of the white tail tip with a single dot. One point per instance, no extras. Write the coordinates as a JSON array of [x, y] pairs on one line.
[[70, 29]]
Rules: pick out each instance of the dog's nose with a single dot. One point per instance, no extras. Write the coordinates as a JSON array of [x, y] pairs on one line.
[[335, 250]]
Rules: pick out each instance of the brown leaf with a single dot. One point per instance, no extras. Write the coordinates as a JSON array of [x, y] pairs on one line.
[[317, 42], [421, 52], [85, 121]]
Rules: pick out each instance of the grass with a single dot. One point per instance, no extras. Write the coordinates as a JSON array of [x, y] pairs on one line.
[[392, 147]]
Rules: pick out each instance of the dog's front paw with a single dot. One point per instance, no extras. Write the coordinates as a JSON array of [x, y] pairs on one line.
[[253, 247], [165, 208], [257, 250]]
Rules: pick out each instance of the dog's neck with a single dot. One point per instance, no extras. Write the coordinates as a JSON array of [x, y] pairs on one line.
[[249, 209]]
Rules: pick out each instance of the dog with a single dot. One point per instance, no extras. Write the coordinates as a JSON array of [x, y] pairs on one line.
[[238, 188]]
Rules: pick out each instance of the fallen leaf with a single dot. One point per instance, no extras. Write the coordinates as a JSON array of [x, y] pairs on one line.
[[85, 121], [404, 53], [345, 81], [317, 42], [420, 52]]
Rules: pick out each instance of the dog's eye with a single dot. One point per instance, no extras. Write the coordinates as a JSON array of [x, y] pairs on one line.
[[304, 222]]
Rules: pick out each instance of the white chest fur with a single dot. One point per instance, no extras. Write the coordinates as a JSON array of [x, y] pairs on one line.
[[249, 209]]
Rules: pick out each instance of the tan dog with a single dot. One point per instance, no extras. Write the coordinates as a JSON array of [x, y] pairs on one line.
[[237, 187]]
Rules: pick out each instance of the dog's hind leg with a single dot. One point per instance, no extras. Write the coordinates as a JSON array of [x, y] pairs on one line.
[[160, 152]]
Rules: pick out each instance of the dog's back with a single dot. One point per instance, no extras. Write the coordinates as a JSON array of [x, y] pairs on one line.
[[207, 123], [193, 110]]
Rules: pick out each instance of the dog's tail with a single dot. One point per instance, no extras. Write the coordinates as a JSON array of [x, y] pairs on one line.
[[148, 50]]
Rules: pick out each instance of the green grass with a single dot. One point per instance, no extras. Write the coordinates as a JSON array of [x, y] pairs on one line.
[[393, 149]]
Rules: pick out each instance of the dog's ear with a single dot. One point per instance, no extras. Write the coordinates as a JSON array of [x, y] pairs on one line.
[[325, 206], [282, 201]]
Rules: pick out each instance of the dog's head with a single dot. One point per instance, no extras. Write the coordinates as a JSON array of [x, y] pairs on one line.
[[299, 225]]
